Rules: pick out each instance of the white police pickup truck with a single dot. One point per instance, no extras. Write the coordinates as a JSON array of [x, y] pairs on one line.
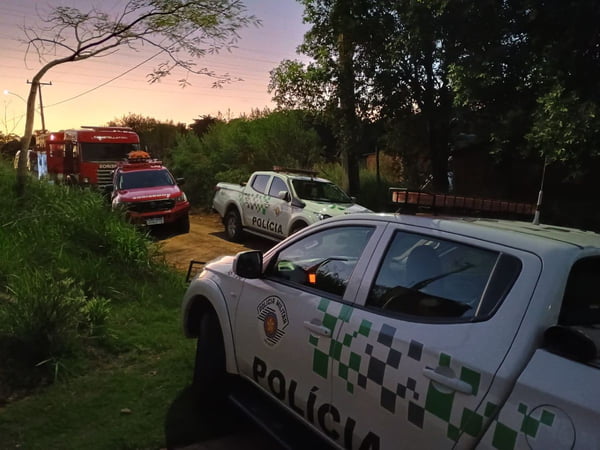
[[391, 331], [275, 204]]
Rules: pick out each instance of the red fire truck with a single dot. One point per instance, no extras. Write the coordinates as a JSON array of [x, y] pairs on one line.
[[86, 156]]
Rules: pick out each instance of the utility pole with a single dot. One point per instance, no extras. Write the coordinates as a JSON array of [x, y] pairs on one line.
[[41, 104]]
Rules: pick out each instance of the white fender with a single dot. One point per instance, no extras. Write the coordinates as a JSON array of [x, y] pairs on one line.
[[206, 290]]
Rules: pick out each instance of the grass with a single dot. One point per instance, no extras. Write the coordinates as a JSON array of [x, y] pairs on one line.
[[92, 355]]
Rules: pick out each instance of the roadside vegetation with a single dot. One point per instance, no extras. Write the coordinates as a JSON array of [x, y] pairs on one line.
[[231, 151], [90, 344]]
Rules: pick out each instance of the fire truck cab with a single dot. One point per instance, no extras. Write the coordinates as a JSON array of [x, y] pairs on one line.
[[86, 156]]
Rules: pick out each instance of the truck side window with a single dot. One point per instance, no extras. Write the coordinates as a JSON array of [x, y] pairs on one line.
[[277, 185], [422, 277], [581, 302], [259, 184], [323, 260]]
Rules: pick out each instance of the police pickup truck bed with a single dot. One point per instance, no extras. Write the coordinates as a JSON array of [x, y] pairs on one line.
[[275, 204], [394, 331]]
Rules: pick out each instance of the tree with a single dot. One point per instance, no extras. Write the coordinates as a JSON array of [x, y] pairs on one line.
[[202, 125], [385, 62], [156, 137], [533, 86], [296, 86], [182, 30]]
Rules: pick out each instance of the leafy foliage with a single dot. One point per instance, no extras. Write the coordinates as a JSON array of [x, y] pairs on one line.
[[232, 151], [157, 138], [528, 80], [567, 129]]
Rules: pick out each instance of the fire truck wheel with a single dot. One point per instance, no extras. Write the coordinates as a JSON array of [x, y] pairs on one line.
[[183, 225], [233, 225], [209, 369]]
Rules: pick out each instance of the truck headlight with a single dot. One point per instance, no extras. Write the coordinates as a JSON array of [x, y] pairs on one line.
[[181, 198], [116, 203]]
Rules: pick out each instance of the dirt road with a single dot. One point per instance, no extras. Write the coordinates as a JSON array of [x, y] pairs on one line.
[[205, 241]]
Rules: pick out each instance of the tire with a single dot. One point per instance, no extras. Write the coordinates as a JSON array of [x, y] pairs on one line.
[[209, 380], [183, 225], [297, 227], [233, 225]]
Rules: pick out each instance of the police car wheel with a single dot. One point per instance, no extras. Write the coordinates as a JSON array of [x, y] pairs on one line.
[[233, 225], [297, 227], [209, 370]]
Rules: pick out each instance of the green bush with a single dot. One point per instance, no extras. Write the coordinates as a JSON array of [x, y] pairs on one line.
[[43, 319], [231, 151], [65, 257], [334, 172], [374, 194]]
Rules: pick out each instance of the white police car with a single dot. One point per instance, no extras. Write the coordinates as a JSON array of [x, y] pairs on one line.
[[388, 331]]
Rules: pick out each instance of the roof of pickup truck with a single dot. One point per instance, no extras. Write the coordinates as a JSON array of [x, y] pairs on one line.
[[292, 175], [495, 230]]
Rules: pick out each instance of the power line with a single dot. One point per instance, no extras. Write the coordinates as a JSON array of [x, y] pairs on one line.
[[107, 82]]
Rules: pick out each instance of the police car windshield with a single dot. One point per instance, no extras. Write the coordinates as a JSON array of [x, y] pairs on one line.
[[145, 179], [319, 191]]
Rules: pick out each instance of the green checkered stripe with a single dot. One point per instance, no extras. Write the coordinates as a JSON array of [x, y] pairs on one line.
[[518, 419], [374, 367], [504, 435], [255, 202], [325, 349], [425, 405]]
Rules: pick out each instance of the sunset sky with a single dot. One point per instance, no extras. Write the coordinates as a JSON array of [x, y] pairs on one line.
[[92, 92]]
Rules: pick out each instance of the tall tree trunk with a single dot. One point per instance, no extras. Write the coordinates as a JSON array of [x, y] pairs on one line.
[[26, 139], [349, 128], [437, 109]]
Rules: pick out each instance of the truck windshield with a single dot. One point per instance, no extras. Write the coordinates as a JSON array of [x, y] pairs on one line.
[[319, 191], [145, 179], [106, 151]]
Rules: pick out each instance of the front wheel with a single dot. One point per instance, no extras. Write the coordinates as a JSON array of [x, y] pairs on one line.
[[209, 370], [233, 225], [297, 227]]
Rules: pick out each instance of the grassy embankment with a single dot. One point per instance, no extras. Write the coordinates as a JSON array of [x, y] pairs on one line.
[[91, 351]]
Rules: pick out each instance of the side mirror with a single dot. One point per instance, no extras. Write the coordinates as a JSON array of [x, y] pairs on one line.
[[298, 203], [180, 181], [248, 264], [283, 195], [570, 343]]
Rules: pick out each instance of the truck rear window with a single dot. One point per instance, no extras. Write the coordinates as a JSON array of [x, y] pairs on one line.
[[581, 302]]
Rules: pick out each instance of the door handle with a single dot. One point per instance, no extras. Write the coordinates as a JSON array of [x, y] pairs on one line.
[[450, 382], [317, 328]]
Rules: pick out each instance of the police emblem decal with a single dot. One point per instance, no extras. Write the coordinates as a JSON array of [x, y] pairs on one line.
[[273, 318]]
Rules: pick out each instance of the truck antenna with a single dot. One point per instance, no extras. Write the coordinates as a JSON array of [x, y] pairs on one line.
[[538, 206]]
